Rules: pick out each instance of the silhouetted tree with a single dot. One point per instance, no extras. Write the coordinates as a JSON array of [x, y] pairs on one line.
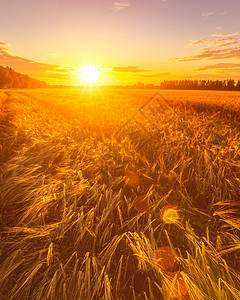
[[10, 79], [231, 84], [238, 85], [140, 85]]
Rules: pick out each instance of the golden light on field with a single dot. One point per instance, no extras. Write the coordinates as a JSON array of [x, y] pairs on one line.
[[90, 74], [175, 287]]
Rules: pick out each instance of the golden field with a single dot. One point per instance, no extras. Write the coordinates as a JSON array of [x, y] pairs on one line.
[[119, 194]]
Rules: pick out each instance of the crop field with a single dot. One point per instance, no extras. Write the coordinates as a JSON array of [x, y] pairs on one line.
[[119, 194]]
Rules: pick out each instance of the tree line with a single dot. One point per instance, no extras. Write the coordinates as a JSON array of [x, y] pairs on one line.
[[10, 79], [222, 85], [228, 85]]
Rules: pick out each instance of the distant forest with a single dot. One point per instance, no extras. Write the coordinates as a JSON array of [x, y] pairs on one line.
[[10, 79], [228, 85], [223, 85]]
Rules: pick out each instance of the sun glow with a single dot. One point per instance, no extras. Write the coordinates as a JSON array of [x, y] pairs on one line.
[[90, 74]]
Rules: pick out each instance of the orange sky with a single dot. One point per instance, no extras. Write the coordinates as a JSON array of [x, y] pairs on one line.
[[130, 41]]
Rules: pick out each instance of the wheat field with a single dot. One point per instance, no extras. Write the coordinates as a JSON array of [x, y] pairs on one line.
[[119, 194]]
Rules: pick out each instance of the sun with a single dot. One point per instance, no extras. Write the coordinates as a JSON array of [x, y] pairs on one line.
[[90, 74]]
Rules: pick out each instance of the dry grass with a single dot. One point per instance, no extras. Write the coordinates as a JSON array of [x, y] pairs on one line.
[[84, 186]]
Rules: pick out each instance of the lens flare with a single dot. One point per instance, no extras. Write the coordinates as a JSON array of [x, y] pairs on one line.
[[169, 214]]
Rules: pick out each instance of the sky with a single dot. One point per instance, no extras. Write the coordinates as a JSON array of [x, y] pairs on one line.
[[129, 41]]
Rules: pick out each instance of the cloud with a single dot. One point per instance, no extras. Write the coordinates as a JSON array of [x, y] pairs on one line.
[[132, 69], [20, 63], [58, 75], [30, 67], [207, 14], [120, 5], [55, 55], [227, 71], [209, 54], [226, 34], [155, 75], [3, 46], [223, 42], [224, 47], [220, 66]]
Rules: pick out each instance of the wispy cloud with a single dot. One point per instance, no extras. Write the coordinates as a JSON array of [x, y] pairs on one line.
[[3, 46], [20, 63], [215, 48], [211, 54], [32, 68], [228, 71], [219, 66], [226, 34], [120, 5], [55, 55], [155, 75], [132, 69], [207, 14], [223, 42]]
